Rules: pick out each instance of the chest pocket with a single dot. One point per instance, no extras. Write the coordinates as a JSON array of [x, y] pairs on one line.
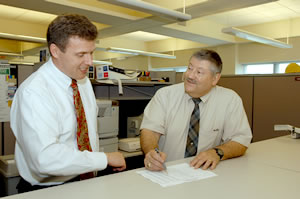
[[211, 133]]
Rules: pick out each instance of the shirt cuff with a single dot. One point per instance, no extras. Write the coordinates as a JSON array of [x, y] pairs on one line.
[[100, 160]]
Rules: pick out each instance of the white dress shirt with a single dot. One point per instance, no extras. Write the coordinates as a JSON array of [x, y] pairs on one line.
[[222, 119], [43, 120]]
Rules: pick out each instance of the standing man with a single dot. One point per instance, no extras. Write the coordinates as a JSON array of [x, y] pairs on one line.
[[54, 112], [195, 118]]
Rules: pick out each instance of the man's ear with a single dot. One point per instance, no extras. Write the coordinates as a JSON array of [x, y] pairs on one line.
[[54, 50], [216, 78]]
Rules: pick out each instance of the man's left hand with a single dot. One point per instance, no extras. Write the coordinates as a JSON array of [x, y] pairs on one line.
[[206, 159]]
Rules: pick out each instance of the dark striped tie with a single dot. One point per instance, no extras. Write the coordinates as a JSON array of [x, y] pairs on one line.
[[192, 138]]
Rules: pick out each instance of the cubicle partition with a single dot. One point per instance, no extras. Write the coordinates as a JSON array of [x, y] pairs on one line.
[[244, 87], [275, 101], [268, 100]]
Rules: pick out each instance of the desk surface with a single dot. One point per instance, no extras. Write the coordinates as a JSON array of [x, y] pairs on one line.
[[282, 152], [255, 175]]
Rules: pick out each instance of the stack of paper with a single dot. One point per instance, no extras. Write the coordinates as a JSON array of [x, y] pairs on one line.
[[177, 174]]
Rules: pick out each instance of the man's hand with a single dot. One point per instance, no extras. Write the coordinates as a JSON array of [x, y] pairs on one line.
[[154, 161], [116, 160], [206, 159]]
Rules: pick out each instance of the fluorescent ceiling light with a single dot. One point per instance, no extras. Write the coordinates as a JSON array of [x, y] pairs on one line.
[[11, 54], [151, 8], [144, 36], [139, 52], [21, 62], [22, 38], [122, 51], [254, 37], [101, 62]]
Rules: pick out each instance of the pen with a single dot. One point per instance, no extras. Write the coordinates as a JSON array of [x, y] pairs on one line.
[[157, 151]]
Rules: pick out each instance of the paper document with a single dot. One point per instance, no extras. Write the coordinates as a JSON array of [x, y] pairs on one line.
[[177, 174]]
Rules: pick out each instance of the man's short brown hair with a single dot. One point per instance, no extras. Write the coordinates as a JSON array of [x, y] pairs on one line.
[[65, 26], [211, 56]]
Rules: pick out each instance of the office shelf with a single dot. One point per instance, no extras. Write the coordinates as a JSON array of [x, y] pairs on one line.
[[132, 90]]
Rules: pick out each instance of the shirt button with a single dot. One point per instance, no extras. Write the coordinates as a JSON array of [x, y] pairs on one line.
[[192, 143]]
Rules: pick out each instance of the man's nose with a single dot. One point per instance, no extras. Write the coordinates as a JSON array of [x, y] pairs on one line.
[[89, 59], [191, 74]]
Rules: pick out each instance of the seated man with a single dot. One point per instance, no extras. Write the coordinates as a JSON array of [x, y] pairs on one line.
[[195, 118]]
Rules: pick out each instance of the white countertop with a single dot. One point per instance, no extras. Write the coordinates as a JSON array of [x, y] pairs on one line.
[[269, 170]]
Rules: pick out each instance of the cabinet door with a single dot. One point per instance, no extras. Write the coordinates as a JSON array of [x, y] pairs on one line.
[[276, 101], [243, 86]]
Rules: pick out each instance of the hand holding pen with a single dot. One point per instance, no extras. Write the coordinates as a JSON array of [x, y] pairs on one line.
[[164, 165], [154, 160]]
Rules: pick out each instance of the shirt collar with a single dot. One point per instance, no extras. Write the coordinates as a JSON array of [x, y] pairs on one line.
[[204, 98], [62, 78]]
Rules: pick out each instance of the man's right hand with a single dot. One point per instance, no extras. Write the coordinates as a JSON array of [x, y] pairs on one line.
[[116, 160], [154, 161]]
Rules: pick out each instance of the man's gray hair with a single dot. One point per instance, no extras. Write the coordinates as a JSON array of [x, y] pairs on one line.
[[211, 56]]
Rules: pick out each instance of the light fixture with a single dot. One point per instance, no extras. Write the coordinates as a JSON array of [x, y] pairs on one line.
[[150, 8], [254, 37], [101, 62], [11, 54], [22, 38], [21, 62], [122, 51], [139, 52]]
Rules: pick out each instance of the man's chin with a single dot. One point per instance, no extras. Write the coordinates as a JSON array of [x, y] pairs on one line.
[[189, 87], [189, 90], [81, 77]]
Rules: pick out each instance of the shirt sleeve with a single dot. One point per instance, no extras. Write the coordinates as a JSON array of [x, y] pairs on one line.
[[155, 113], [236, 125], [39, 136]]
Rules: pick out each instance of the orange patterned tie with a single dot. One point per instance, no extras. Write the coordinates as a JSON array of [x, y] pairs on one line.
[[83, 140]]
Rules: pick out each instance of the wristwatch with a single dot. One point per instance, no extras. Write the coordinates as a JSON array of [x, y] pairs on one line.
[[219, 152]]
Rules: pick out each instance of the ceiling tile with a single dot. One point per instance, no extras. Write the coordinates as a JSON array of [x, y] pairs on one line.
[[9, 12], [34, 17]]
